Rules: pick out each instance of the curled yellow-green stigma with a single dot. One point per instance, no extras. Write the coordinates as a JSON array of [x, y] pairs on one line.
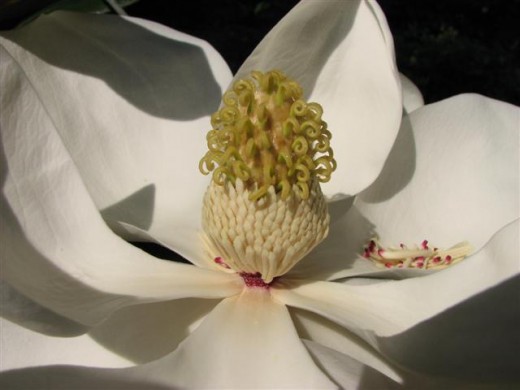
[[266, 135]]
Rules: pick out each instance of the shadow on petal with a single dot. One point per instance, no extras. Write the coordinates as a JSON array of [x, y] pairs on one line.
[[73, 377], [110, 48], [295, 45], [20, 273], [21, 310], [147, 332], [398, 169], [477, 339], [136, 209], [339, 206], [339, 255]]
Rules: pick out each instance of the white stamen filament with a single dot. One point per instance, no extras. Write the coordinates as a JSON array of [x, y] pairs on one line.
[[268, 236]]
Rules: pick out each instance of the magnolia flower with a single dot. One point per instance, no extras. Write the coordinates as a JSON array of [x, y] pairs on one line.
[[103, 124]]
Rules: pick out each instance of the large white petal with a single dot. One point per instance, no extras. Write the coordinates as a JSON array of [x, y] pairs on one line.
[[387, 308], [341, 52], [147, 332], [131, 101], [337, 254], [134, 334], [246, 342], [347, 372], [340, 254], [60, 252], [186, 242], [452, 176], [20, 310], [412, 96], [24, 348], [350, 374], [330, 335]]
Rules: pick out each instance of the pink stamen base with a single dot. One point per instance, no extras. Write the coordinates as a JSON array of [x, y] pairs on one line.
[[254, 280]]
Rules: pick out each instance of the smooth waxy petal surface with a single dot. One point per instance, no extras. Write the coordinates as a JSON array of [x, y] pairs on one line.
[[387, 308], [24, 348], [131, 102], [412, 97], [330, 335], [20, 310], [246, 342], [452, 176], [61, 254]]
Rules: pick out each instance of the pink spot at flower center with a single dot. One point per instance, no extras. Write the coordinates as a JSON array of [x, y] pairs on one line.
[[220, 261], [254, 279]]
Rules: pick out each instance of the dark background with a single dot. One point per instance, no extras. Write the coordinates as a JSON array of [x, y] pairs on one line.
[[446, 47]]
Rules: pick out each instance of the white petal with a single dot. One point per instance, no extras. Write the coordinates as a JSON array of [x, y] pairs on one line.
[[330, 335], [386, 308], [20, 310], [348, 373], [341, 52], [24, 348], [147, 332], [131, 101], [139, 333], [472, 306], [343, 370], [182, 243], [453, 175], [476, 339], [340, 254], [412, 97], [60, 252], [246, 342]]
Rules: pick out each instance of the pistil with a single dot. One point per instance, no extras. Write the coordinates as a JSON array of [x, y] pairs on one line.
[[268, 151]]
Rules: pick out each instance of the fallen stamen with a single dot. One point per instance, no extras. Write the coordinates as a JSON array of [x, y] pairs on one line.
[[421, 256]]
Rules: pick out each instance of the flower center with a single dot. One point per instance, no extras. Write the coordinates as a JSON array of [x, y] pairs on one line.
[[421, 256], [254, 280], [268, 150]]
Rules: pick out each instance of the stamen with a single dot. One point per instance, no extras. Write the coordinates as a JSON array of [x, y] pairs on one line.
[[220, 261], [421, 257]]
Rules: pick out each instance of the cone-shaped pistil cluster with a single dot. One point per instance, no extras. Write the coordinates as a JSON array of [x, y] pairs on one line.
[[268, 150]]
